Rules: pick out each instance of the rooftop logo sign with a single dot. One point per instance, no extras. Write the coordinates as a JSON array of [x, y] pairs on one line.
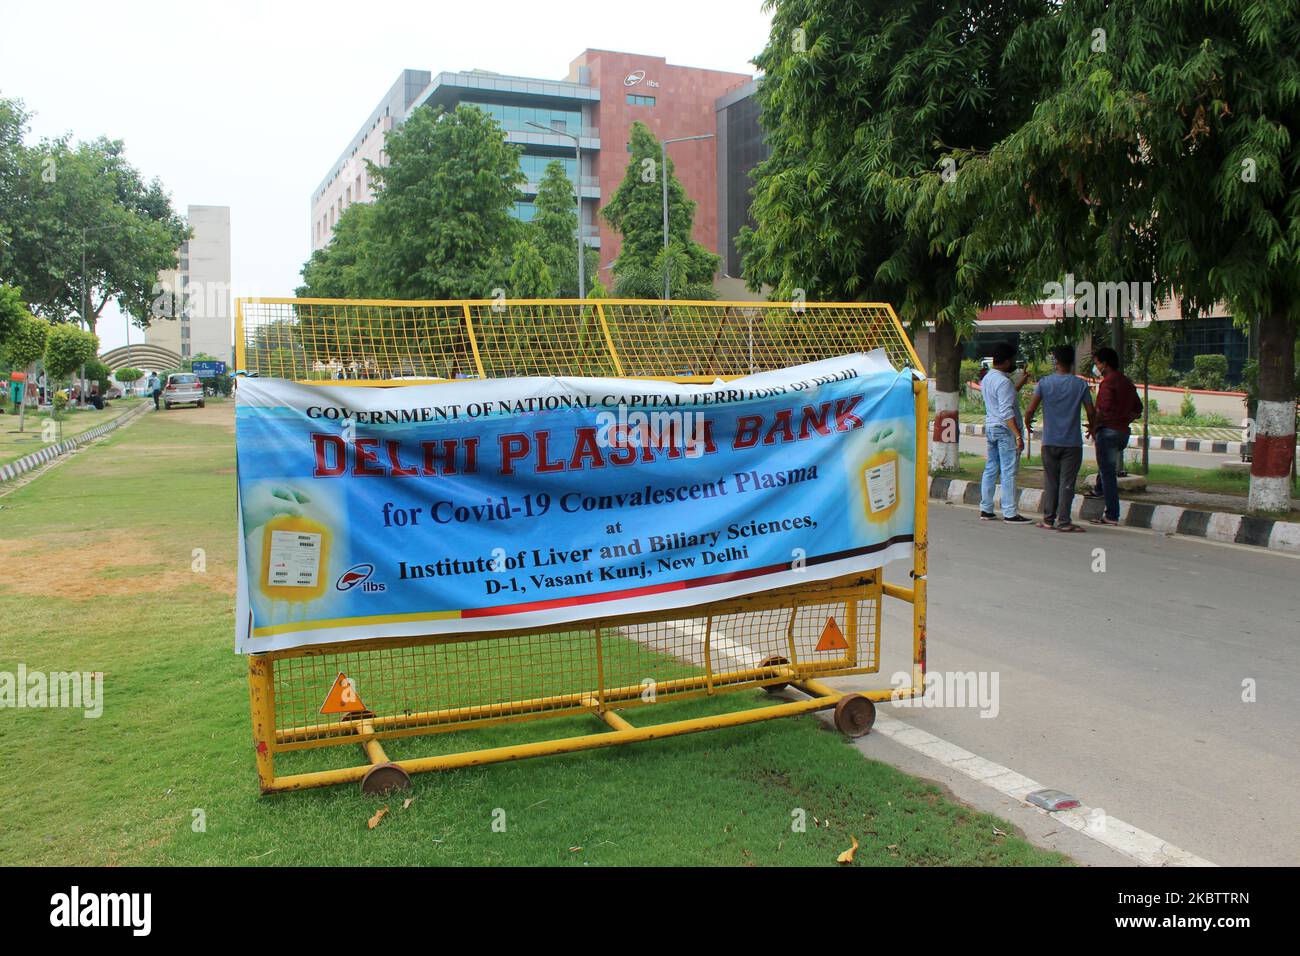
[[635, 77]]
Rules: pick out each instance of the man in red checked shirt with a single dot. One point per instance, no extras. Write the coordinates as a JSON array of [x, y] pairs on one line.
[[1118, 407]]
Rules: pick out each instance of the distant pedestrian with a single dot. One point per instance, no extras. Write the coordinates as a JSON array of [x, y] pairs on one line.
[[1118, 407], [1005, 437], [1061, 394], [154, 387]]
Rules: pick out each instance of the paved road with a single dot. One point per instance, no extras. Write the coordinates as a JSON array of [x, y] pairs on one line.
[[1124, 687]]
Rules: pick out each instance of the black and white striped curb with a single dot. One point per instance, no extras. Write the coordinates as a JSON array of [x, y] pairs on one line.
[[1158, 442], [50, 452], [1170, 519]]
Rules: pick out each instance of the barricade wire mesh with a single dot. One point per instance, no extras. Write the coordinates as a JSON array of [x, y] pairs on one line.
[[380, 342], [442, 683]]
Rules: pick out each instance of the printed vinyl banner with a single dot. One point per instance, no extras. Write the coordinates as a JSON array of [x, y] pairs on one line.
[[484, 505]]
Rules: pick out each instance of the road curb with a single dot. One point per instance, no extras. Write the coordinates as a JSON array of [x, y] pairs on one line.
[[1158, 442], [37, 458], [1169, 519]]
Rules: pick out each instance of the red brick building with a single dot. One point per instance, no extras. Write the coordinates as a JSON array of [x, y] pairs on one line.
[[672, 101]]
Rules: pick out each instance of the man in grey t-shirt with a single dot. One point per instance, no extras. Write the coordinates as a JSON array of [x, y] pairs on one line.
[[1061, 394]]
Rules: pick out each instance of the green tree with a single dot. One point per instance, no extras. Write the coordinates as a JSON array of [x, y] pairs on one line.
[[636, 211], [865, 104], [554, 231], [26, 344], [1168, 150], [530, 278], [22, 336], [13, 127], [67, 348], [442, 227], [127, 376], [345, 267], [67, 198], [12, 312], [98, 372]]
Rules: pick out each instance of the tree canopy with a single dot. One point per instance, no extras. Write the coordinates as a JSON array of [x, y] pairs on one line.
[[440, 226], [67, 348], [861, 99], [1166, 150], [58, 196], [636, 211], [442, 222], [862, 102], [554, 231], [344, 268], [530, 278]]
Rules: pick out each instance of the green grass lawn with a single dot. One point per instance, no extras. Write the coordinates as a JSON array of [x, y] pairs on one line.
[[15, 444], [104, 582]]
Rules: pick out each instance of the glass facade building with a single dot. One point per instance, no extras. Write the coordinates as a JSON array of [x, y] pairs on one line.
[[603, 94]]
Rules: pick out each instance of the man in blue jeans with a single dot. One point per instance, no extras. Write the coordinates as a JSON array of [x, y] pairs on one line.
[[1118, 407], [1004, 435]]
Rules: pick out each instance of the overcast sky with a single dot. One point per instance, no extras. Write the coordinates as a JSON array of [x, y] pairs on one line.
[[246, 105]]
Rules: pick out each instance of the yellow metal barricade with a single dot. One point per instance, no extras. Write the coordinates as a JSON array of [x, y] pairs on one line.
[[605, 666]]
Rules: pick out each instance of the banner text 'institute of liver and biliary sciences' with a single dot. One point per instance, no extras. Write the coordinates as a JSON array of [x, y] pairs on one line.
[[485, 505]]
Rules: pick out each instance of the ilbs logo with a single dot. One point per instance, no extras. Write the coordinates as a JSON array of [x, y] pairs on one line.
[[358, 574], [636, 76]]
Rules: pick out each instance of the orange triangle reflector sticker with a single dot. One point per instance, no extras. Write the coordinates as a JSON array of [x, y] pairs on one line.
[[832, 637], [342, 698]]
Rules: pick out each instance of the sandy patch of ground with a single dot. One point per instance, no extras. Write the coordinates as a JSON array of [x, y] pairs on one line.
[[67, 569], [221, 414]]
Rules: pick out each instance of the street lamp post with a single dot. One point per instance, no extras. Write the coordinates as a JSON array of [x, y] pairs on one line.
[[663, 178], [577, 188]]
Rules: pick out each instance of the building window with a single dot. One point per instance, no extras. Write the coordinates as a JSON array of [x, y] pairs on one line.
[[524, 210], [534, 166], [517, 118], [636, 100]]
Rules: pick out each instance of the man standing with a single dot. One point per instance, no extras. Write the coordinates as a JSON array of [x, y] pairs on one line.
[[1061, 394], [1005, 439], [155, 388], [1118, 407]]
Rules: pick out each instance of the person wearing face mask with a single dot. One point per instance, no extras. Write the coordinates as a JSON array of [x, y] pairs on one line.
[[1118, 407]]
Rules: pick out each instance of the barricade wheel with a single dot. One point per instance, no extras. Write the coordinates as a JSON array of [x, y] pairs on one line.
[[854, 715], [383, 777], [775, 662]]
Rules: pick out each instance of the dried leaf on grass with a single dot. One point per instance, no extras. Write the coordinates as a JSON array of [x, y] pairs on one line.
[[847, 855]]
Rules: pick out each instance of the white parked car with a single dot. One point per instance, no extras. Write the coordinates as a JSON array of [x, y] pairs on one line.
[[183, 388]]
